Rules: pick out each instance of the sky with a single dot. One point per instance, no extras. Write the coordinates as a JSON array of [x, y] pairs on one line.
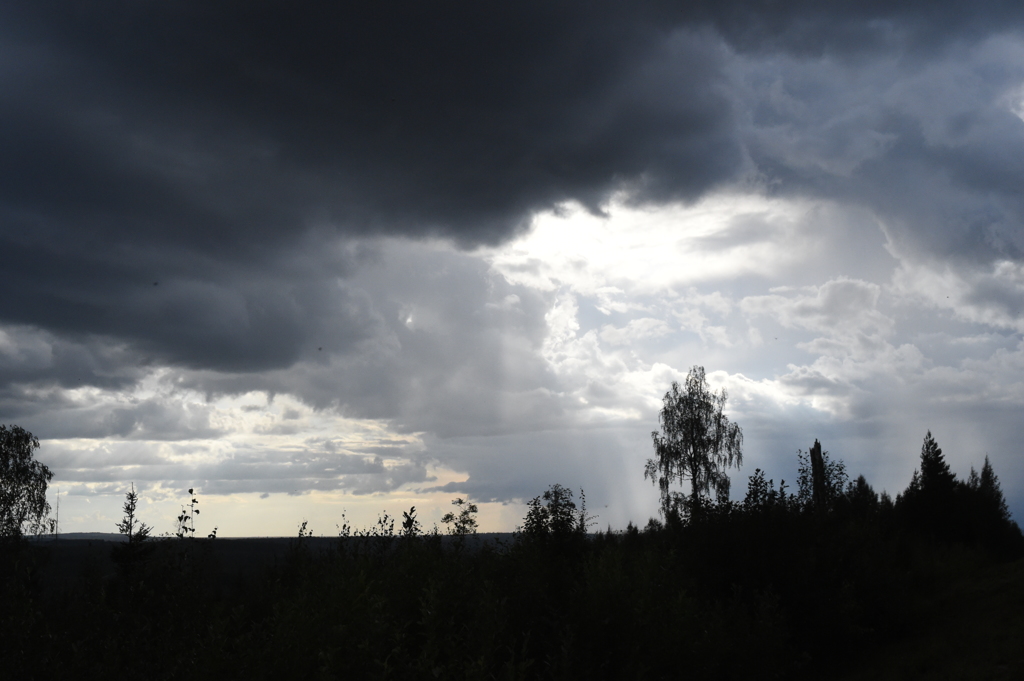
[[324, 262]]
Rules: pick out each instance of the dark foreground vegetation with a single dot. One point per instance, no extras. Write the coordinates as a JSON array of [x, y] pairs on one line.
[[830, 581], [771, 587]]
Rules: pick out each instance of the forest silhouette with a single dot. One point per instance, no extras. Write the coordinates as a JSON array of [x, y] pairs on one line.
[[829, 580]]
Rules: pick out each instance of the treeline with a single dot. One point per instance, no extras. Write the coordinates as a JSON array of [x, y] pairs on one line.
[[935, 506], [784, 584]]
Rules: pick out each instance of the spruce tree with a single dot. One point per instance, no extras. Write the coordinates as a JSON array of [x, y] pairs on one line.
[[929, 502], [987, 519], [992, 493], [937, 480]]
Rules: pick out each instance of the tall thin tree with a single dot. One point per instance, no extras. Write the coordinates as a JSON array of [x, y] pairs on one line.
[[697, 443]]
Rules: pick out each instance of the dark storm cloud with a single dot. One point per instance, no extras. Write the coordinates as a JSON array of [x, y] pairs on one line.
[[159, 161], [815, 27], [172, 174], [235, 125], [30, 356], [954, 197], [252, 320], [457, 352], [930, 146]]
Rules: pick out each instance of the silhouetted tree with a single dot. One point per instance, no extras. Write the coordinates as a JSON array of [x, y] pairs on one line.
[[886, 508], [820, 479], [936, 477], [464, 522], [990, 492], [929, 502], [130, 526], [23, 481], [410, 523], [128, 554], [186, 521], [862, 499], [554, 514], [762, 495], [696, 443], [985, 516]]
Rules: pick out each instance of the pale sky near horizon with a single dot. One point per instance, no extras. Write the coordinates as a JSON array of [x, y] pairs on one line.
[[349, 261]]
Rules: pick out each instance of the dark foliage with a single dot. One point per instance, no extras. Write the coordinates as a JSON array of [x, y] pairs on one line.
[[23, 482], [971, 512], [553, 516], [131, 552], [410, 523], [772, 587], [822, 488], [697, 443], [186, 520], [464, 522]]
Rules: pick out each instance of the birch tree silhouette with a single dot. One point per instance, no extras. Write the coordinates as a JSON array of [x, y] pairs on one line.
[[697, 443]]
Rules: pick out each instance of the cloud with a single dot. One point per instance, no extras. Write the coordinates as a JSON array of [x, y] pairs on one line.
[[186, 181], [29, 355], [930, 145], [447, 122], [810, 30], [993, 296], [636, 329], [273, 472], [838, 307], [651, 251], [375, 246], [200, 199]]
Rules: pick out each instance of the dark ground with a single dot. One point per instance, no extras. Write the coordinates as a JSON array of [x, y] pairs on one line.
[[67, 556]]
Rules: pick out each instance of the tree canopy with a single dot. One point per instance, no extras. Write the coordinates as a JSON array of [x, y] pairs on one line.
[[554, 514], [464, 522], [929, 500], [696, 443], [23, 481]]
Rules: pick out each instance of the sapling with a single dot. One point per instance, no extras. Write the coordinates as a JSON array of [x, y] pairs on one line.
[[465, 522], [187, 519], [136, 530], [410, 524], [128, 554]]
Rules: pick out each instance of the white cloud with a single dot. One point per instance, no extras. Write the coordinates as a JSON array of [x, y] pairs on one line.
[[991, 295], [838, 307], [652, 251], [635, 330]]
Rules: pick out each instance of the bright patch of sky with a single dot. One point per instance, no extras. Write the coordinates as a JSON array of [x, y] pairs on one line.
[[799, 309], [752, 288]]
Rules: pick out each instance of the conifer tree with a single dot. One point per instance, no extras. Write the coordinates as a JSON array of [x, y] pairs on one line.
[[992, 493], [987, 520], [936, 477], [929, 503]]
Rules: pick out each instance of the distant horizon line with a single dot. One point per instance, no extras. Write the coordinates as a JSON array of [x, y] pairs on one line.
[[118, 537]]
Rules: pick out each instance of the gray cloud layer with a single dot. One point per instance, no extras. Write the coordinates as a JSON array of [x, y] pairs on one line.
[[207, 186], [160, 163], [164, 166]]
